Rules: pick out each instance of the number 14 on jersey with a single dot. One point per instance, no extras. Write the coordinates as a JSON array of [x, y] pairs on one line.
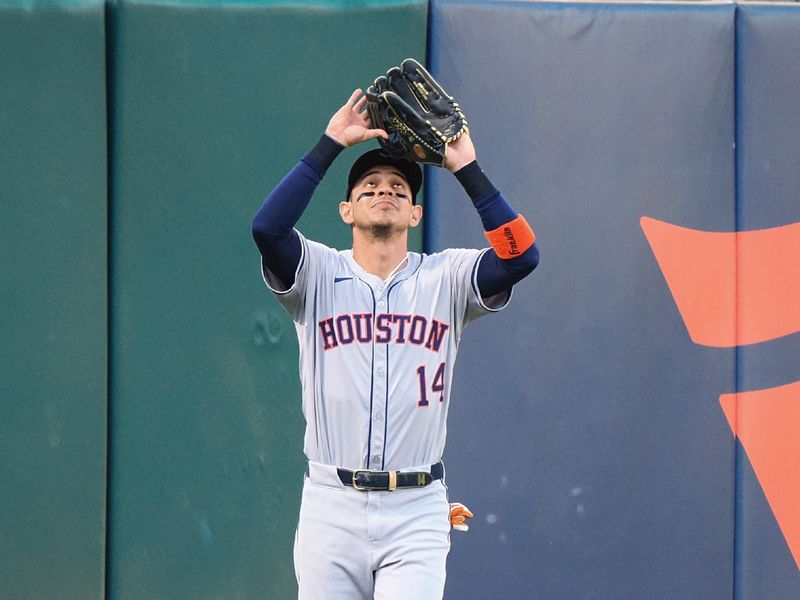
[[436, 387]]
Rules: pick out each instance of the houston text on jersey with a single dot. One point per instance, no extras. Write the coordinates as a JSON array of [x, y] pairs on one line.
[[389, 327]]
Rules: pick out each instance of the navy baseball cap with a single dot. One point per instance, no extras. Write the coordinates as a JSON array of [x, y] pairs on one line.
[[376, 158]]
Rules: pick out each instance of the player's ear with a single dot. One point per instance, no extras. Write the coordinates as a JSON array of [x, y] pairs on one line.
[[346, 211], [416, 215]]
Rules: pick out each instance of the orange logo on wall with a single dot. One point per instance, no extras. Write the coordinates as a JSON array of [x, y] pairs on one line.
[[734, 289]]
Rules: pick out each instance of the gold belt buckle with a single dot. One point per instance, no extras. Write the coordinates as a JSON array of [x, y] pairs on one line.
[[391, 486], [355, 485]]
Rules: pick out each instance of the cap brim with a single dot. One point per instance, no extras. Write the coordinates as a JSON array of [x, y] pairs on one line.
[[411, 171]]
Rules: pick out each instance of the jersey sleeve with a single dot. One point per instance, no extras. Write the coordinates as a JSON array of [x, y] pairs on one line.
[[469, 305], [297, 299]]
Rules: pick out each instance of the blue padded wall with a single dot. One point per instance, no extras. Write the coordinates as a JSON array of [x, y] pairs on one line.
[[585, 429], [768, 180]]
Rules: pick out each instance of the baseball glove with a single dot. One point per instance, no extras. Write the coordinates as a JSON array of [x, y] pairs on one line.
[[419, 116]]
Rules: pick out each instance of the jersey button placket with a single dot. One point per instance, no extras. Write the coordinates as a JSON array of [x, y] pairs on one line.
[[379, 394], [376, 450]]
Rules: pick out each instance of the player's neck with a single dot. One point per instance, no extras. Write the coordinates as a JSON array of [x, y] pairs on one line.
[[380, 257]]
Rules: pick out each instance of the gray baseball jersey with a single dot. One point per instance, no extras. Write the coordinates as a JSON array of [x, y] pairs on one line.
[[377, 357]]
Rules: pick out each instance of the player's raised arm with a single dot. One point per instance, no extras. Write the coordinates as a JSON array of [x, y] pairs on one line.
[[513, 254], [273, 224]]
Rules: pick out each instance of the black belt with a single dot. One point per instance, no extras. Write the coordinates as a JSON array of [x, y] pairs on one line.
[[386, 481]]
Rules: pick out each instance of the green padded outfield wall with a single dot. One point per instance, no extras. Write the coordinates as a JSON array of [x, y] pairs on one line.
[[213, 104], [52, 300]]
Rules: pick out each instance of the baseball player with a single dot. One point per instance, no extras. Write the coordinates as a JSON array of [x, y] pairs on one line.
[[378, 330]]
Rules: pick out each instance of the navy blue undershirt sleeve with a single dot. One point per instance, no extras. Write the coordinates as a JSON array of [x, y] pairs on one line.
[[273, 224], [495, 275]]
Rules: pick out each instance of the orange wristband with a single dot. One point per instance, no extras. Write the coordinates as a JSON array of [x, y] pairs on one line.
[[512, 239]]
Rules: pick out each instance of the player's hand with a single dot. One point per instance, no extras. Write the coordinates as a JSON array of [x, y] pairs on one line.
[[458, 515], [459, 153], [351, 125]]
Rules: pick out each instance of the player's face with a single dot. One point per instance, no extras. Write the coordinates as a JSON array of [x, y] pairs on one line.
[[381, 202]]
